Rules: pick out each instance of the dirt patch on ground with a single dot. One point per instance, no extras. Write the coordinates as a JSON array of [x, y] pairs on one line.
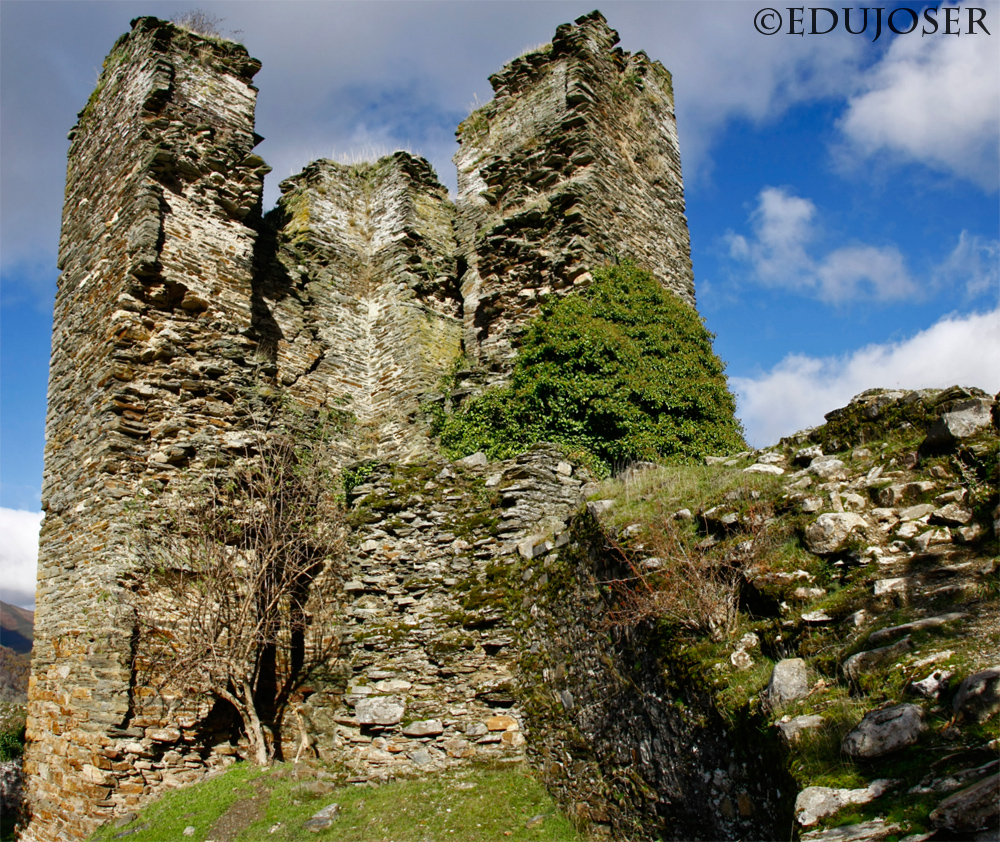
[[241, 815]]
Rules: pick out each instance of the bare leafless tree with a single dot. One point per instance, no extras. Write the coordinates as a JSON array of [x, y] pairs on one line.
[[233, 588], [200, 21]]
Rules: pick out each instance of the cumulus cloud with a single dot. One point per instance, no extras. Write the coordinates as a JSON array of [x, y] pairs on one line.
[[973, 265], [784, 226], [796, 393], [935, 100], [19, 555], [407, 76]]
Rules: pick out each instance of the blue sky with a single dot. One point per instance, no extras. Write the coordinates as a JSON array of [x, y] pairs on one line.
[[842, 194]]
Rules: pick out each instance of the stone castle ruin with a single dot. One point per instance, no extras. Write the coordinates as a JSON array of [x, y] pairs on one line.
[[357, 293]]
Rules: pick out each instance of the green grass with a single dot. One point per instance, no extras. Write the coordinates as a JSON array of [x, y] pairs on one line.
[[474, 804], [666, 489]]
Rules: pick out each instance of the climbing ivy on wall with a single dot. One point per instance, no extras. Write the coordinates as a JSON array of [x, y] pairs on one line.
[[623, 371]]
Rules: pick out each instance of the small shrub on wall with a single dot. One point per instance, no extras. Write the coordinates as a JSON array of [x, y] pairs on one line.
[[623, 370]]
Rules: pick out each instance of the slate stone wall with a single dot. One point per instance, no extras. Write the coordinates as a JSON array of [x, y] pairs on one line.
[[149, 345], [356, 295], [623, 737], [359, 298], [428, 662], [573, 163]]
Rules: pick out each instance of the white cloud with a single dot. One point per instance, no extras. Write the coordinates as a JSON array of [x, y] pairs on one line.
[[864, 271], [724, 71], [410, 76], [935, 100], [796, 393], [784, 226], [974, 264], [19, 555]]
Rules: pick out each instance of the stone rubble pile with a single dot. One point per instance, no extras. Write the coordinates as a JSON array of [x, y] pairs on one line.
[[911, 524]]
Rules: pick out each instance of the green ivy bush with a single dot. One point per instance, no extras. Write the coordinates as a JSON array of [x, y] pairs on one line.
[[622, 371], [12, 725]]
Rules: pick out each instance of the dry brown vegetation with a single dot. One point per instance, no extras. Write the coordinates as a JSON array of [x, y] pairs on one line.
[[675, 574], [233, 590]]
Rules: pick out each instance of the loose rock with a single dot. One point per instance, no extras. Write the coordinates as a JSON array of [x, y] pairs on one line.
[[323, 819], [832, 530], [978, 696], [789, 681], [815, 802], [793, 729], [884, 731]]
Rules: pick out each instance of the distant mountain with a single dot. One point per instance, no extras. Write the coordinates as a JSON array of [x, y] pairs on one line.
[[17, 628], [17, 633]]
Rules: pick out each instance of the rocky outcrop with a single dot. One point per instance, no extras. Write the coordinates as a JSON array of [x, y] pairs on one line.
[[973, 809], [903, 526]]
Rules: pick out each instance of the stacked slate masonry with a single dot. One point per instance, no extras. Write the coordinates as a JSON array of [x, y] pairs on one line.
[[150, 343], [574, 163], [358, 293]]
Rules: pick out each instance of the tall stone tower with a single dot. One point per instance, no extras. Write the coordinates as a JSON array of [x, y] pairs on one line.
[[572, 164], [150, 342]]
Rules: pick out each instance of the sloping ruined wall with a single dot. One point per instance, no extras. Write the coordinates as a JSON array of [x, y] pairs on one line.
[[358, 296], [148, 344], [621, 733], [573, 163]]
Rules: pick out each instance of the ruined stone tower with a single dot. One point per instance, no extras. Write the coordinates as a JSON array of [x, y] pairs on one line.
[[150, 343], [370, 247], [572, 164], [357, 293]]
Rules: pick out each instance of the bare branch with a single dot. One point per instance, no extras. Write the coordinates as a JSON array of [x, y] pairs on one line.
[[231, 589]]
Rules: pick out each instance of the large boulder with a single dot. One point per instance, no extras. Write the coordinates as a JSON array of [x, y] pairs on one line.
[[832, 530], [966, 419], [828, 468], [885, 731]]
